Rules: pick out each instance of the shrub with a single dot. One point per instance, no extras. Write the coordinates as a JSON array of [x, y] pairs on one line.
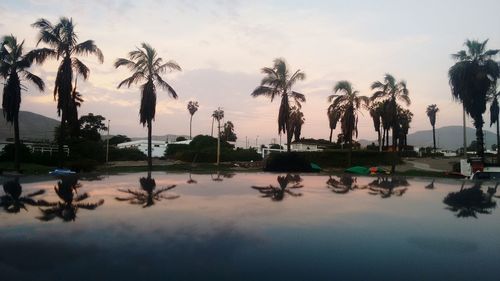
[[287, 162], [126, 154], [173, 149], [8, 153], [339, 158]]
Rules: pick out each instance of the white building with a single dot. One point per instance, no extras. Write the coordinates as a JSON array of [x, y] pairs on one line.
[[158, 148]]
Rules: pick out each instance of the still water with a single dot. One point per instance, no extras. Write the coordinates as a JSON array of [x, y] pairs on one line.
[[247, 226]]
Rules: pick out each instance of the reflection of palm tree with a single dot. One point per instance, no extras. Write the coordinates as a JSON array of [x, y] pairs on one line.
[[190, 180], [388, 186], [220, 176], [468, 202], [430, 185], [148, 195], [278, 193], [343, 184], [13, 202], [67, 191]]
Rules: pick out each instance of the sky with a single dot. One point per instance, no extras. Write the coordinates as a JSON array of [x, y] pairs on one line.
[[221, 46]]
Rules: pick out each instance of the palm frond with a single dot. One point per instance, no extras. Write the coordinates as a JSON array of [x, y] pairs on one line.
[[80, 68], [34, 79], [89, 48], [164, 85]]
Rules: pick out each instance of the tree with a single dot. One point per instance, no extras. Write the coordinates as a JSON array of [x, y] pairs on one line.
[[348, 103], [431, 111], [333, 118], [376, 112], [62, 38], [91, 125], [147, 67], [404, 118], [114, 140], [296, 120], [278, 81], [192, 108], [391, 91], [14, 66], [218, 115], [472, 77], [228, 132], [494, 112]]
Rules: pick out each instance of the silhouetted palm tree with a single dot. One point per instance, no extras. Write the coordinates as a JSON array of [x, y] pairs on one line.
[[348, 102], [14, 64], [404, 118], [333, 118], [192, 108], [148, 195], [279, 82], [63, 39], [278, 193], [471, 79], [376, 112], [147, 67], [494, 114], [391, 91], [431, 111], [67, 191], [13, 202]]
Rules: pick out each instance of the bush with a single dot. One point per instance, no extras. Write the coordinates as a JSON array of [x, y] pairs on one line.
[[287, 162], [126, 154], [8, 153], [339, 158], [81, 149], [173, 149], [226, 155], [203, 143]]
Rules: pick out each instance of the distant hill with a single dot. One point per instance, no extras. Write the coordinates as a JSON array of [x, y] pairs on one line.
[[450, 137], [32, 126]]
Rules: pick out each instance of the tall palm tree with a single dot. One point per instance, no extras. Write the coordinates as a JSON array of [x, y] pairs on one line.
[[391, 91], [472, 77], [431, 111], [218, 115], [333, 118], [376, 112], [62, 38], [148, 195], [278, 81], [192, 108], [494, 114], [14, 66], [348, 103], [147, 67]]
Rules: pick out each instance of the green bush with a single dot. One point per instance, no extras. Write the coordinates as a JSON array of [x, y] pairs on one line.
[[125, 154], [287, 162], [173, 149], [339, 158], [203, 143], [8, 153]]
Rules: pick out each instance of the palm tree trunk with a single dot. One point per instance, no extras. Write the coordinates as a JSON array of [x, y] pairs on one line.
[[434, 137], [478, 122], [150, 159], [383, 138], [498, 142], [60, 141], [349, 155], [17, 145], [212, 127], [218, 142], [331, 132], [379, 142], [465, 132], [190, 126]]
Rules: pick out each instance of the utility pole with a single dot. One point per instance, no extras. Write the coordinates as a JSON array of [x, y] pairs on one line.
[[246, 142], [107, 144], [465, 135]]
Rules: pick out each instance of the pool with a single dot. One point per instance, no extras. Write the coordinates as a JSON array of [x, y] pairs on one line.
[[247, 226]]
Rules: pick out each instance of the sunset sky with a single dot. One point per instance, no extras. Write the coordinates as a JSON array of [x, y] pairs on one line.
[[222, 45]]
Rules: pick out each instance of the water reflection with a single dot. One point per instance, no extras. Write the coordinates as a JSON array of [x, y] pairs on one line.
[[148, 195], [468, 202], [278, 193], [220, 176], [67, 190], [343, 184], [387, 187], [12, 202], [191, 180], [430, 185]]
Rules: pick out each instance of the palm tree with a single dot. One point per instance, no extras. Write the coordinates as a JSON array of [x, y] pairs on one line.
[[12, 202], [472, 77], [192, 108], [404, 117], [278, 81], [494, 112], [391, 91], [148, 195], [218, 115], [278, 193], [468, 202], [431, 111], [147, 67], [348, 103], [376, 112], [14, 66], [344, 184], [333, 118], [62, 38]]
